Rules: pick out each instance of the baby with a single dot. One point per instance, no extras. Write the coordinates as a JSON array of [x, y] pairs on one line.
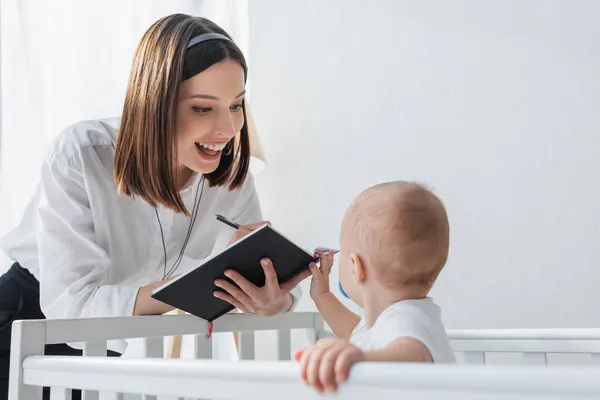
[[394, 243]]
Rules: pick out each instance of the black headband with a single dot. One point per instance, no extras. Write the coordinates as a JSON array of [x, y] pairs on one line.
[[206, 36]]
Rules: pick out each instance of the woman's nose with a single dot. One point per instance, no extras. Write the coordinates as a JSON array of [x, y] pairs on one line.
[[225, 125]]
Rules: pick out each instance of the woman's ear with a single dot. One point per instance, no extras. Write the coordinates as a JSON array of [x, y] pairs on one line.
[[358, 268]]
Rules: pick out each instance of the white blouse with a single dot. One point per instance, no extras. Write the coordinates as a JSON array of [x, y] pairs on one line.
[[92, 249]]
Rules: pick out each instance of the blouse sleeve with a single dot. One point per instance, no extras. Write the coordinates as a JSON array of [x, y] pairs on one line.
[[72, 267]]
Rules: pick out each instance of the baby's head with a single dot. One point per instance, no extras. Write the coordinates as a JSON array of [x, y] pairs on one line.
[[394, 239]]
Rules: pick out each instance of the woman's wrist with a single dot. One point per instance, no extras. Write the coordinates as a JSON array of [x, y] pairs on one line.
[[146, 305], [283, 305], [289, 303]]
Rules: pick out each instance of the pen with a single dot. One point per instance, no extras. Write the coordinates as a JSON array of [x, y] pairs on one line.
[[326, 251], [237, 226], [228, 222]]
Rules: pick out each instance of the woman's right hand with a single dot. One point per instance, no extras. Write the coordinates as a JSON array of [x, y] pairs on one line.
[[246, 229], [320, 276], [146, 305]]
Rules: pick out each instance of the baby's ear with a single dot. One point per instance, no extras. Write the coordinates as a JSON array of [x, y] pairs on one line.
[[358, 268]]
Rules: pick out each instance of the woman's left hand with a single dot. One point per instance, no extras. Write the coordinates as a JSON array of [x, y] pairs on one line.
[[270, 299]]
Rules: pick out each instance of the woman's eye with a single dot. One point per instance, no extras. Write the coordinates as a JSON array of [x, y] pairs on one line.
[[236, 107], [202, 110]]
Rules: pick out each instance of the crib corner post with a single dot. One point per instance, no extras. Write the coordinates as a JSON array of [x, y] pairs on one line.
[[28, 338]]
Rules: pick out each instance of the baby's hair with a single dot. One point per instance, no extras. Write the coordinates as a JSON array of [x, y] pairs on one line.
[[402, 228]]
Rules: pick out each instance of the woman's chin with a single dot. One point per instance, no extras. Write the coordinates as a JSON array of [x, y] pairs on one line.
[[204, 168]]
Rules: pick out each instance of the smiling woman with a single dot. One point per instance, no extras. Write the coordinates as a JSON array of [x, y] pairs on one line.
[[125, 204]]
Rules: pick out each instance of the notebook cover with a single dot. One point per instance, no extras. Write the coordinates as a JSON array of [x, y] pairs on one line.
[[193, 291]]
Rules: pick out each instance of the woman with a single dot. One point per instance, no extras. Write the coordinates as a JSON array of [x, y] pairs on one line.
[[125, 204]]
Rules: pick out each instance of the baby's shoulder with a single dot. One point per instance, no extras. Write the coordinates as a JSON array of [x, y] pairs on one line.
[[415, 309], [419, 319]]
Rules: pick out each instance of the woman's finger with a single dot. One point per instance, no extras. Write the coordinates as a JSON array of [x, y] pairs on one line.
[[228, 298], [292, 283], [240, 233], [243, 230], [244, 284], [234, 291], [256, 225], [271, 282]]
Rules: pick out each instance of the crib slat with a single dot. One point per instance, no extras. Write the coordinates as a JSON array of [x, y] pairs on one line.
[[202, 347], [317, 329], [152, 348], [474, 357], [93, 349], [535, 358], [246, 345], [57, 393], [284, 344], [595, 358], [111, 396]]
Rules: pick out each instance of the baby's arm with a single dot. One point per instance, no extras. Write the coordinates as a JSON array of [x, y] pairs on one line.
[[404, 349], [341, 320]]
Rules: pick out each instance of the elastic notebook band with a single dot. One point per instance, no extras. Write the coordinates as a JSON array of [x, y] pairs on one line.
[[207, 36]]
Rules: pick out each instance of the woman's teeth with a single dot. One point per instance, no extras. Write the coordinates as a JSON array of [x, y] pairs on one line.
[[215, 147], [210, 149]]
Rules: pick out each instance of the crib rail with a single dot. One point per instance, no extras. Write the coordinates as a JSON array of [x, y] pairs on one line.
[[275, 380], [30, 336], [534, 344]]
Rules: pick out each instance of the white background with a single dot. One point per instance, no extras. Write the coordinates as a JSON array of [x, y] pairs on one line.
[[495, 104]]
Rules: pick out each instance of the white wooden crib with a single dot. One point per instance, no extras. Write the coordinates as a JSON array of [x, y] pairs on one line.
[[109, 378], [530, 346]]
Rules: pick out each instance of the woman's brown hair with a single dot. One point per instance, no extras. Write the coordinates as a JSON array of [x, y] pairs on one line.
[[146, 151]]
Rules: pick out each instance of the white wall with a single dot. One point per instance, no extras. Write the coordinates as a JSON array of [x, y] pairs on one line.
[[495, 104]]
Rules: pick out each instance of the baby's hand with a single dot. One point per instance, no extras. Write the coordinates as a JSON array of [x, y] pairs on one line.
[[320, 276], [326, 365]]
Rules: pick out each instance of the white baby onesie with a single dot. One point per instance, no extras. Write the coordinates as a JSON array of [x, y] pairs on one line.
[[419, 319]]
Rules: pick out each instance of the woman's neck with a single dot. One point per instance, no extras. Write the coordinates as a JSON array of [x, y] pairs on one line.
[[184, 174]]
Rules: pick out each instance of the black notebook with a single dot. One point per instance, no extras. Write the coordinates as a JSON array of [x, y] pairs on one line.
[[193, 291]]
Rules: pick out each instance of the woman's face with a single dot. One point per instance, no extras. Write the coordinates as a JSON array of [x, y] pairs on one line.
[[209, 115]]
